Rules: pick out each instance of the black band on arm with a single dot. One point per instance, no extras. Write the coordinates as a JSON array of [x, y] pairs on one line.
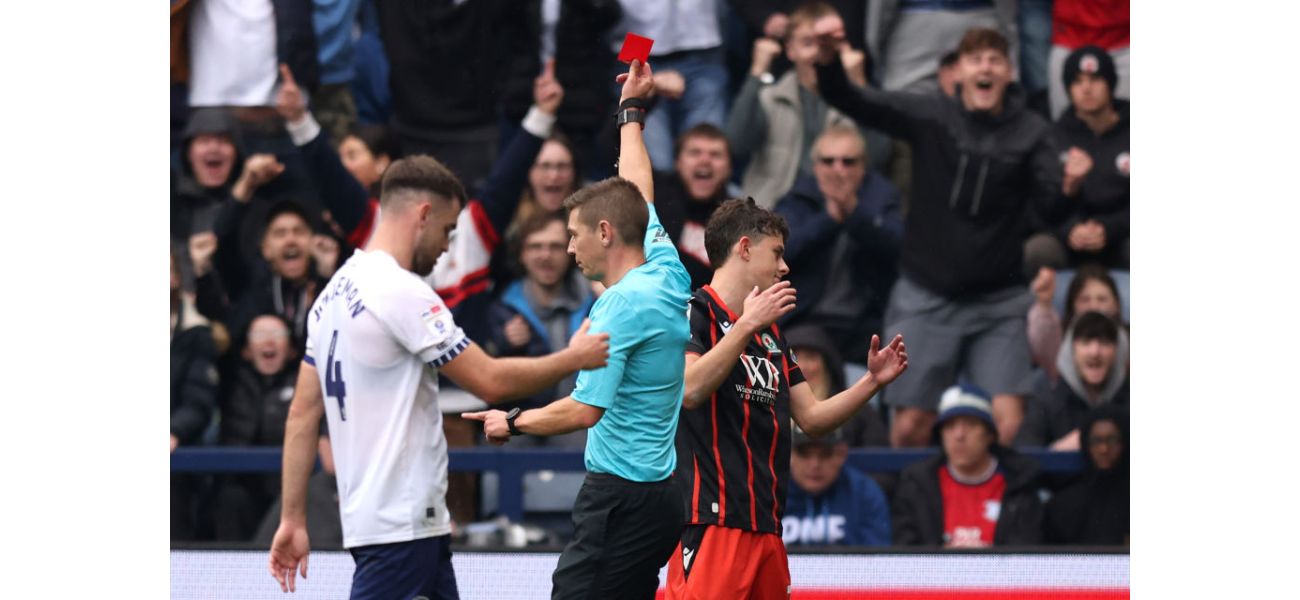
[[634, 103]]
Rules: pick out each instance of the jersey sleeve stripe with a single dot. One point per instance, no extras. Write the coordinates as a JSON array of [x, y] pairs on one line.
[[451, 354], [308, 359]]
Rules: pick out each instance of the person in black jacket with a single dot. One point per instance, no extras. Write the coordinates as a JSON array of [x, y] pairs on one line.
[[1097, 166], [209, 167], [193, 394], [1095, 510], [981, 162], [975, 492], [582, 65], [253, 413]]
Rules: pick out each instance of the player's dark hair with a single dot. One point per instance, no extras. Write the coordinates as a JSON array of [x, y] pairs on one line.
[[419, 173], [616, 200], [707, 131], [983, 38], [737, 218], [1087, 272], [1093, 325]]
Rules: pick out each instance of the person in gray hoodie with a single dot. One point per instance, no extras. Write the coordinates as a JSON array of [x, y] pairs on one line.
[[1093, 363]]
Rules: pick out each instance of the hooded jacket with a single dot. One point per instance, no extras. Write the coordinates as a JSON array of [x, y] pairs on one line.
[[1104, 194], [513, 302], [1094, 510], [918, 502], [194, 207], [976, 176], [1061, 407]]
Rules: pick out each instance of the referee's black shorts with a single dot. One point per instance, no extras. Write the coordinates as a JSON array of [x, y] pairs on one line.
[[623, 533]]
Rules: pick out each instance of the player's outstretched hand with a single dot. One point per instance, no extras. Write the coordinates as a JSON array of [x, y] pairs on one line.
[[590, 350], [886, 364], [765, 307], [638, 81], [289, 554], [494, 424]]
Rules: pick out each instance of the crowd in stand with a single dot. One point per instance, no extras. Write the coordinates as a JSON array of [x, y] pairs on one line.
[[957, 173]]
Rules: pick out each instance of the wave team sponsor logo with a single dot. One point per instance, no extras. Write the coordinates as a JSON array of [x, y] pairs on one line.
[[763, 380]]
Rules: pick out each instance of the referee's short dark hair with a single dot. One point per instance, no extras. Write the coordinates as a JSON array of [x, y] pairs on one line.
[[616, 200], [419, 173], [734, 219]]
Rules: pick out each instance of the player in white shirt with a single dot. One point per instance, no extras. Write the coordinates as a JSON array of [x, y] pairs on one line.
[[376, 338]]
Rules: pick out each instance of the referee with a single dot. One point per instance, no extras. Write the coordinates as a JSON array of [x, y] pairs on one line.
[[628, 516]]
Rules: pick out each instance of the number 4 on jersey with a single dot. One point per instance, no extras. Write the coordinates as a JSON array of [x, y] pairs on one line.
[[334, 387]]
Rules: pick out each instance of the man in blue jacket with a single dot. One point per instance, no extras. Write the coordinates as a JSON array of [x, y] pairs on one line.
[[845, 230], [831, 503]]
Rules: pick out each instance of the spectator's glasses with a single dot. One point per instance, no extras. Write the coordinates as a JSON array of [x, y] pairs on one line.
[[554, 166], [848, 161], [1107, 440]]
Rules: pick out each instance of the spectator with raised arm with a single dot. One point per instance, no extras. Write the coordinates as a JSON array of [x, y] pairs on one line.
[[209, 169], [773, 123], [461, 277], [845, 231], [981, 163], [1091, 289]]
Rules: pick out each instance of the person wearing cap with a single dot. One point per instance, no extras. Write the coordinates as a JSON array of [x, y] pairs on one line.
[[984, 167], [830, 502], [975, 492], [1096, 130]]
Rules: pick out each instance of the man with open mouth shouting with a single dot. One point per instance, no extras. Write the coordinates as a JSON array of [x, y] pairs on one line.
[[982, 163]]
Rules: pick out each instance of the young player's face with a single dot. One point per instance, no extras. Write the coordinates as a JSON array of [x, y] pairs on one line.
[[985, 75], [704, 166], [361, 162], [815, 467], [1089, 93], [552, 176], [435, 235], [767, 261], [1094, 359], [1105, 444], [847, 166], [545, 254], [285, 244], [1096, 296], [268, 345], [966, 441], [212, 156], [586, 248]]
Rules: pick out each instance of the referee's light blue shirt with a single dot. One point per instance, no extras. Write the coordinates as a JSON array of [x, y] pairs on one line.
[[641, 386]]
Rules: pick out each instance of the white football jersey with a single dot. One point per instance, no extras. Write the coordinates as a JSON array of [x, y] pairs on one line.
[[376, 336]]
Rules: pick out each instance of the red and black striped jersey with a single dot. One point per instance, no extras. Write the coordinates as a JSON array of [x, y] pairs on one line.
[[733, 451]]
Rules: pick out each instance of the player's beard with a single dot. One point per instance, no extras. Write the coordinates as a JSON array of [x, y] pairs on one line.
[[422, 263]]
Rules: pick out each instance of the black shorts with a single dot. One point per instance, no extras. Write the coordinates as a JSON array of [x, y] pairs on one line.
[[623, 534]]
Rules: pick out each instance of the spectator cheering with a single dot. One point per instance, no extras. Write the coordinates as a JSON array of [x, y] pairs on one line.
[[1093, 364], [981, 163]]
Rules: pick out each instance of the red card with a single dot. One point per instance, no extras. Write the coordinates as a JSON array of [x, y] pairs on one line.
[[635, 46]]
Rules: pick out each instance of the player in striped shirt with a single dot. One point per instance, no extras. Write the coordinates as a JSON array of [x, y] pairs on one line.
[[743, 385]]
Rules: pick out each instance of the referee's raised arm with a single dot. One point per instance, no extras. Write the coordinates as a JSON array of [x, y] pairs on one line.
[[633, 160]]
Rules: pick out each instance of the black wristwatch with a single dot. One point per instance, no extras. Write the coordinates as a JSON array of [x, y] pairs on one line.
[[510, 420], [631, 115]]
